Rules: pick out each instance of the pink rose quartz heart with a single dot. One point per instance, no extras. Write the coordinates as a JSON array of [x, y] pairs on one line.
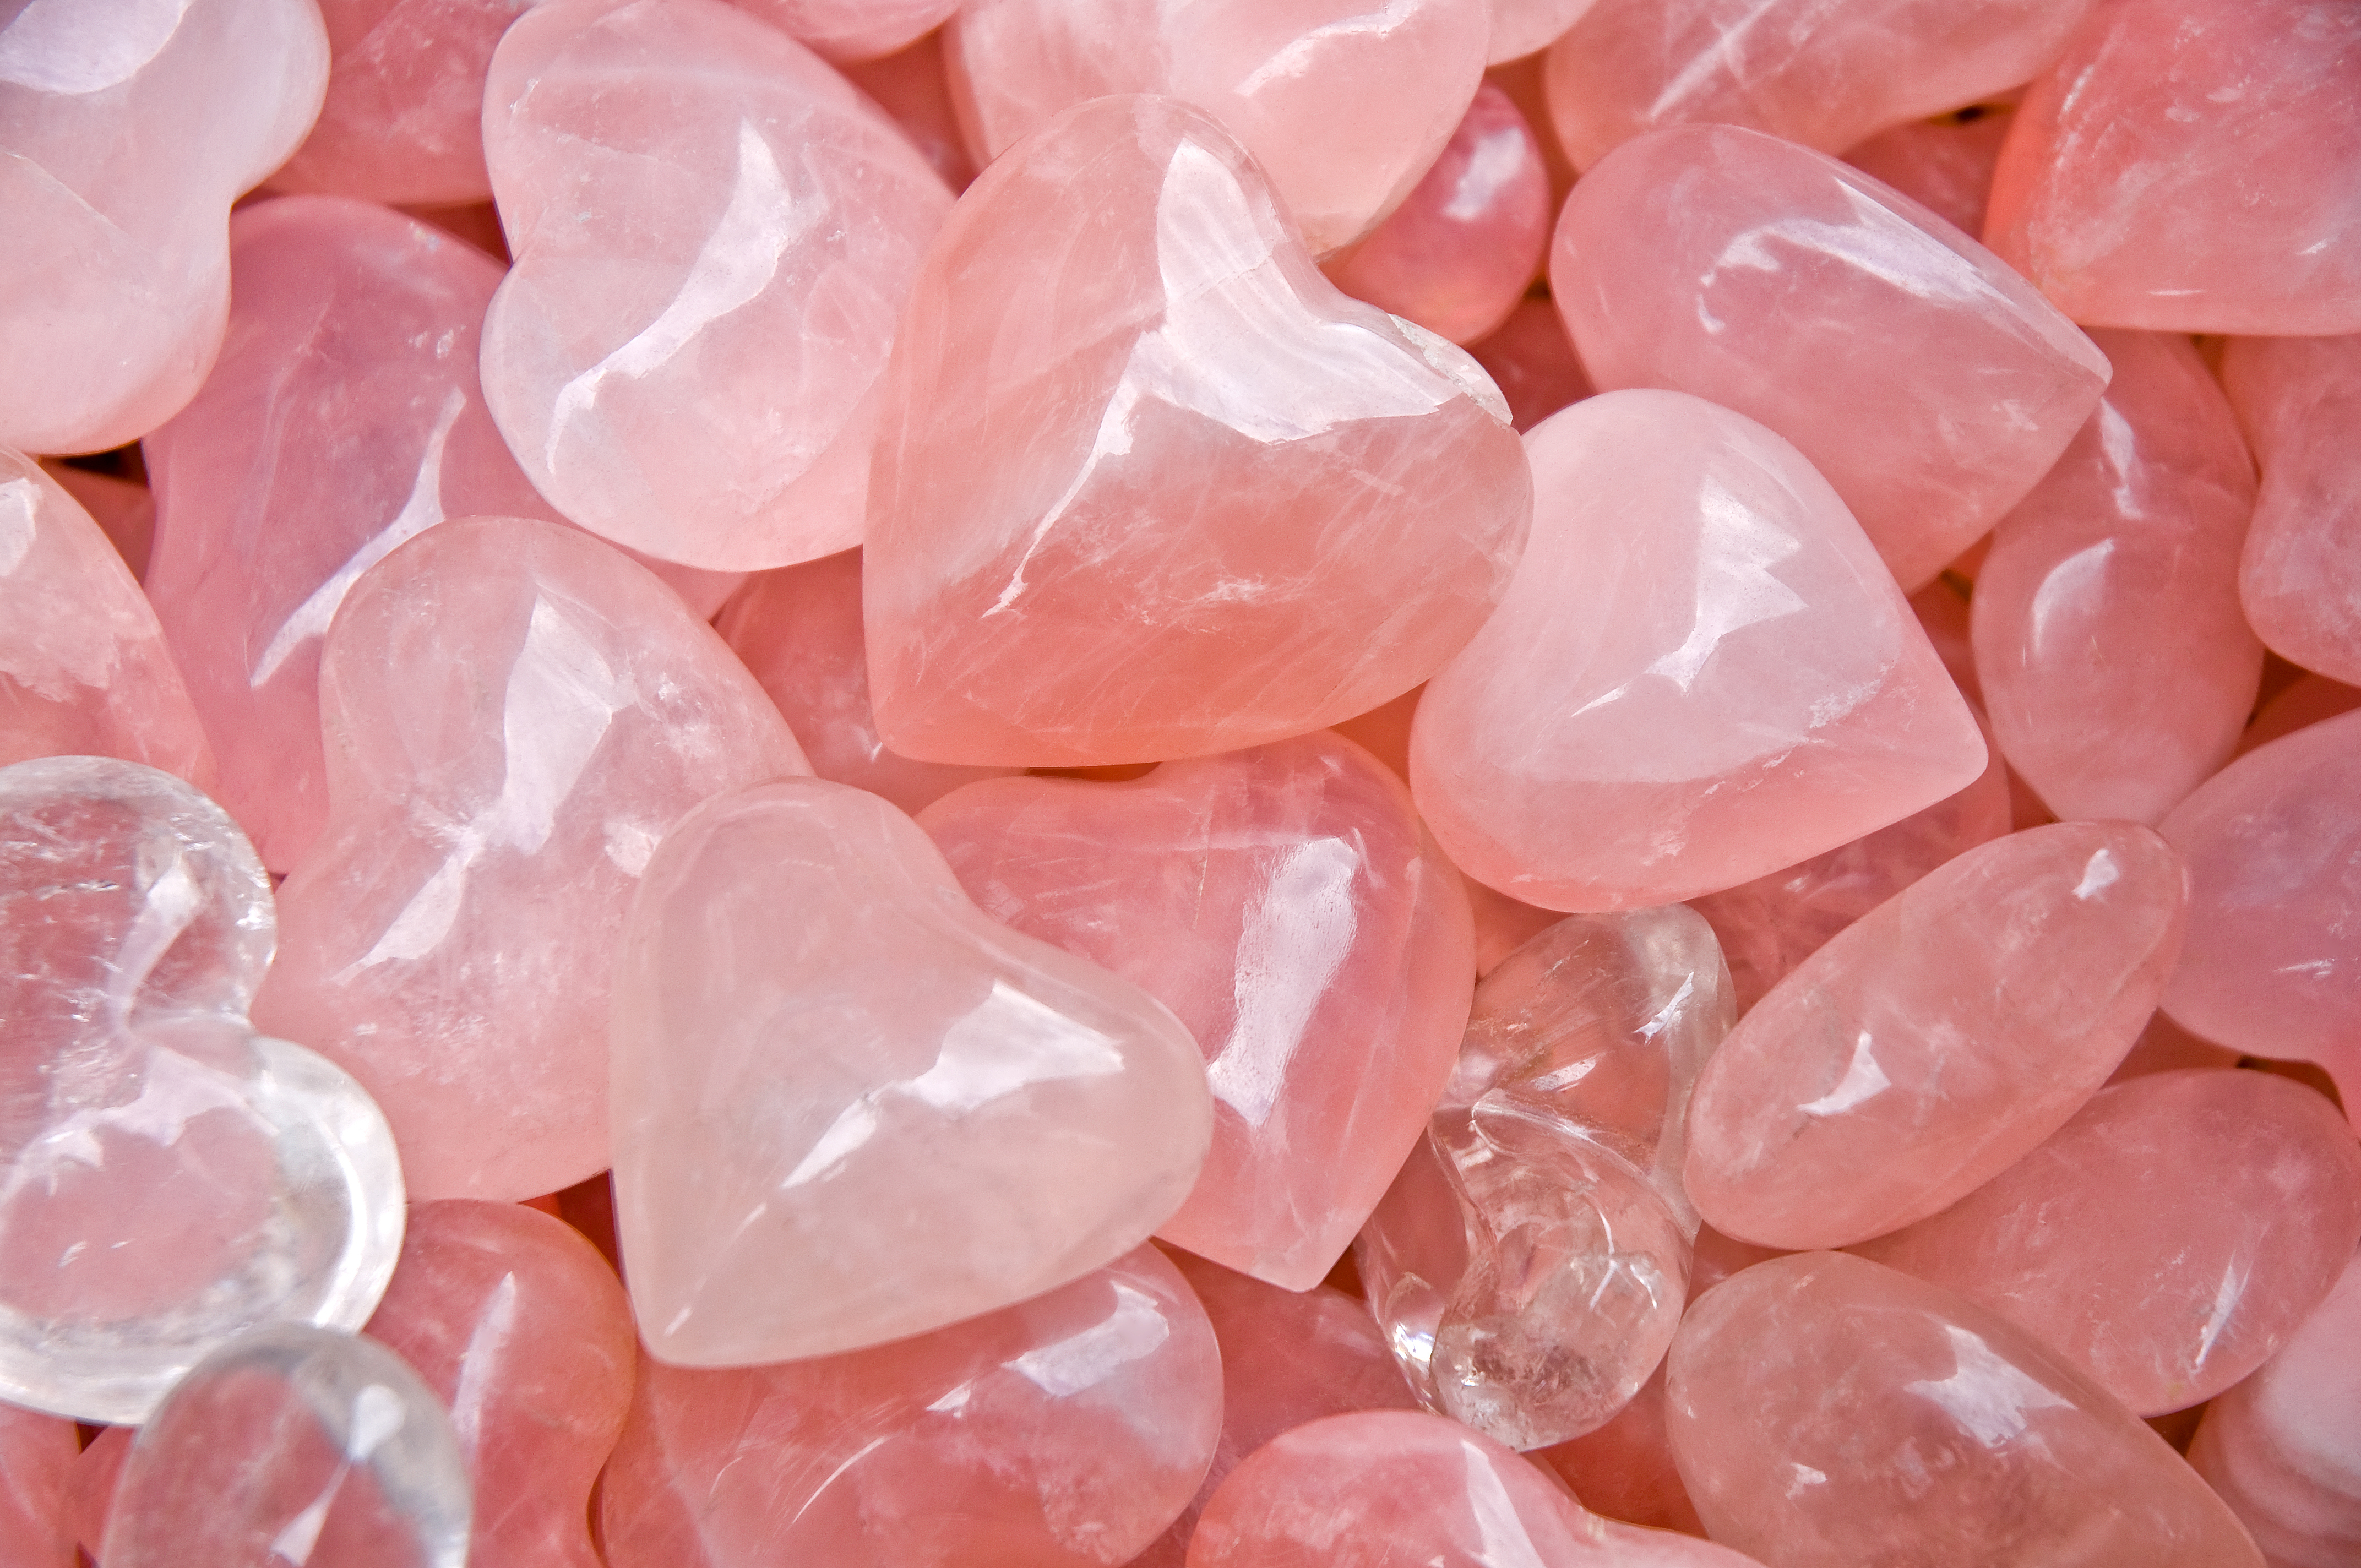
[[513, 715], [1828, 1413], [36, 1455], [1701, 673], [843, 30], [84, 666], [2299, 579], [714, 233], [1343, 107], [1776, 280], [1064, 1432], [1532, 362], [2114, 660], [2193, 168], [126, 128], [851, 1107], [1944, 164], [1936, 1040], [1287, 906], [1148, 487]]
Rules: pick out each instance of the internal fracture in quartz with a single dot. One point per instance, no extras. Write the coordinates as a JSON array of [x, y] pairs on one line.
[[2300, 578]]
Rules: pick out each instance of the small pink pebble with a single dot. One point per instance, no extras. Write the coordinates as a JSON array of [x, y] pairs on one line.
[[2299, 400], [36, 1455]]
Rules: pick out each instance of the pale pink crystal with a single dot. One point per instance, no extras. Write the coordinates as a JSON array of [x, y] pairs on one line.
[[2115, 660], [1944, 164], [1520, 28], [84, 670], [929, 1115], [2283, 1448], [1287, 906], [714, 233], [914, 86], [1532, 362], [2193, 168], [1456, 254], [1065, 1433], [845, 30], [2299, 579], [1343, 109], [514, 715], [1149, 486], [1778, 281], [126, 128], [1701, 673], [125, 510], [1936, 1040], [1826, 75], [2306, 701], [1828, 1413], [37, 1453]]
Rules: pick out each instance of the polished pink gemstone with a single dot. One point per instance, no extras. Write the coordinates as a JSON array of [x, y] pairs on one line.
[[1532, 362], [914, 86], [798, 630], [1936, 1040], [1342, 108], [1826, 76], [2115, 663], [2169, 1239], [1456, 254], [846, 30], [2306, 701], [36, 1455], [2193, 168], [1944, 164], [514, 715], [930, 1116], [519, 1327], [1287, 906], [125, 510], [1701, 673], [1242, 506], [84, 670], [1777, 282], [2299, 580], [1829, 1412], [1066, 1432], [714, 235], [129, 128], [2273, 841]]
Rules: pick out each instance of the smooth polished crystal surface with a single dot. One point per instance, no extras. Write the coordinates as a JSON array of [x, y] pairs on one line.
[[1701, 673], [1148, 487], [2114, 660], [126, 128], [513, 715], [168, 1179], [2300, 578], [1065, 1433], [294, 1444], [1778, 283], [1936, 1040], [1345, 108], [850, 1107], [1944, 164], [714, 235], [37, 1453], [1287, 906], [848, 30], [1828, 1412], [1532, 362], [2193, 168]]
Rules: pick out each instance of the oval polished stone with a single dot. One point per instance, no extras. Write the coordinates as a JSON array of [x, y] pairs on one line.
[[1936, 1040], [2300, 578]]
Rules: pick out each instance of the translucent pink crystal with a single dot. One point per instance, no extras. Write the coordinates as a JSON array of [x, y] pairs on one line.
[[129, 127], [84, 666], [1343, 108], [932, 1115], [1828, 1412], [37, 1453], [514, 716], [1701, 673], [2193, 168], [1776, 281], [2115, 664], [1944, 164], [1456, 254], [1065, 1433], [1826, 75], [1532, 362], [714, 233], [518, 1325], [1242, 506], [1936, 1040], [2299, 580]]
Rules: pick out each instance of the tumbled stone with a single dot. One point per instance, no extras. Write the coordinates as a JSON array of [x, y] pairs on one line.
[[1532, 362], [1064, 1432], [1829, 1412], [513, 715], [1778, 281], [37, 1453], [1937, 1040], [714, 235], [1701, 673], [2300, 578], [1944, 164], [847, 30], [1244, 506]]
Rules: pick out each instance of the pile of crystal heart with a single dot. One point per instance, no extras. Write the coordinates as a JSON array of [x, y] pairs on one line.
[[1219, 784]]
